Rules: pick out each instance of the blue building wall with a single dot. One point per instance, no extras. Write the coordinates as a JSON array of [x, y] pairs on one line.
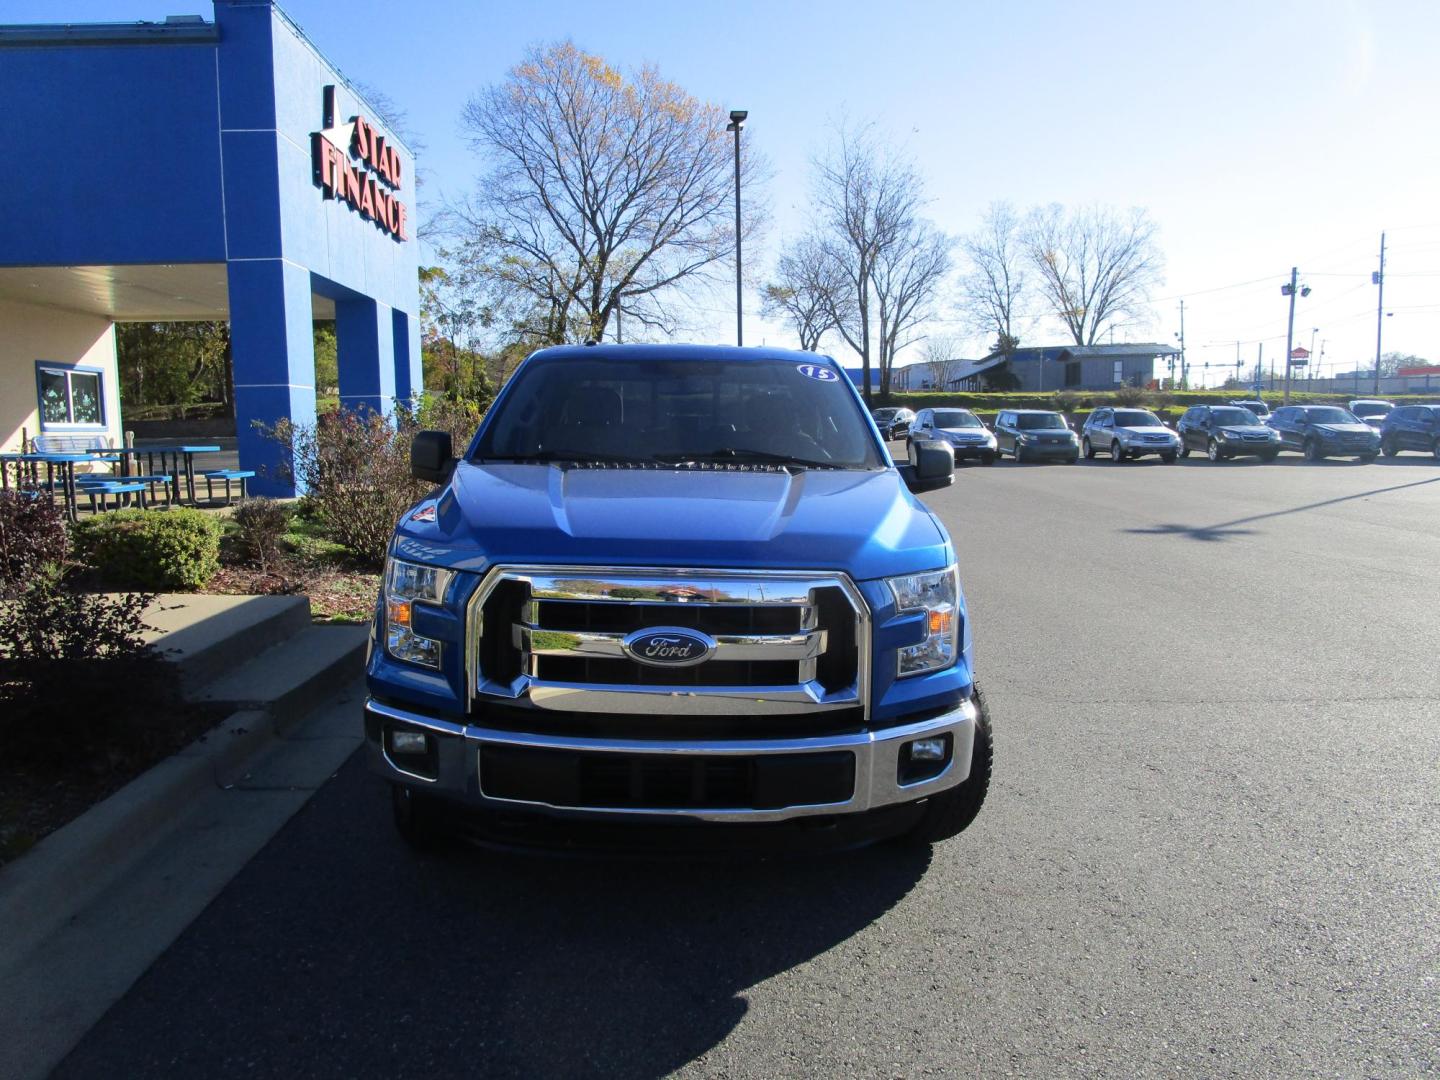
[[197, 148]]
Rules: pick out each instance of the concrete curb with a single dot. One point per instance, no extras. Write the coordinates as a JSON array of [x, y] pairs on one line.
[[72, 865]]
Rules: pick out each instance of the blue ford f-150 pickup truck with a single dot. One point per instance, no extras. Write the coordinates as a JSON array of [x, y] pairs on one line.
[[678, 591]]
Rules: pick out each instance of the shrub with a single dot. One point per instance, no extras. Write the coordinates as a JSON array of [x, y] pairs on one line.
[[261, 523], [1133, 396], [78, 683], [32, 538], [355, 467], [148, 549]]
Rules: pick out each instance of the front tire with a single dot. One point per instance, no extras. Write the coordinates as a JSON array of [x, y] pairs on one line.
[[951, 812], [1089, 450], [1366, 459], [1435, 450], [910, 451], [1169, 459], [1269, 455], [1184, 449], [1312, 450], [1117, 455], [1213, 451], [1389, 449], [987, 459], [416, 818]]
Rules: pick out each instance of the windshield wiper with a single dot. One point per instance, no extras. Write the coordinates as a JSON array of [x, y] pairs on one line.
[[550, 457], [730, 453]]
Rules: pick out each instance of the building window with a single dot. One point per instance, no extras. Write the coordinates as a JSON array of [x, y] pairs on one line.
[[70, 396], [1072, 373], [1119, 372]]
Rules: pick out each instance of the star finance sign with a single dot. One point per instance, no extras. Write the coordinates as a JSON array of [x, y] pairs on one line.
[[353, 161]]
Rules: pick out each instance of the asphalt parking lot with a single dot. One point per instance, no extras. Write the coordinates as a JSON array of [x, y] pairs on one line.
[[1210, 848]]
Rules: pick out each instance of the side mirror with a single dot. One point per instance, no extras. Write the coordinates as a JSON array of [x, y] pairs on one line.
[[934, 467], [431, 457]]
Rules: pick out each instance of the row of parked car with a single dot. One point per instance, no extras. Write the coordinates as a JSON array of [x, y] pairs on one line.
[[1365, 430]]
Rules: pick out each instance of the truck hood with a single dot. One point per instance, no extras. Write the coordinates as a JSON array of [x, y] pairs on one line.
[[866, 524]]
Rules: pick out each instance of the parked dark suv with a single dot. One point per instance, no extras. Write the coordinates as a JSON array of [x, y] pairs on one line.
[[1223, 431], [1029, 434], [1411, 427], [1321, 431], [1127, 433], [892, 423]]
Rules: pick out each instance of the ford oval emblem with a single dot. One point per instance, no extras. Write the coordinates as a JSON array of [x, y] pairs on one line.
[[669, 646]]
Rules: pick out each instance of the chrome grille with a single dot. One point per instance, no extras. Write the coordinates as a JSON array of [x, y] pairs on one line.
[[554, 638]]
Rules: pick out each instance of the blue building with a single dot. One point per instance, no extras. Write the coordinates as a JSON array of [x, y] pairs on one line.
[[190, 170]]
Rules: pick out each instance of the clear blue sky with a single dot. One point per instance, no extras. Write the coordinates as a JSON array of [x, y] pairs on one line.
[[1257, 135]]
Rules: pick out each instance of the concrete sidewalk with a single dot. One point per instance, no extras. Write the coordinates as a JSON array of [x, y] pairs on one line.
[[91, 906]]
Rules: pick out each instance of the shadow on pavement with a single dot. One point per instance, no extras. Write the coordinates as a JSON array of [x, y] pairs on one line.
[[1229, 528], [338, 952]]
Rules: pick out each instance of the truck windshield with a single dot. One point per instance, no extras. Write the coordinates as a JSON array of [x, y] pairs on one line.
[[670, 411]]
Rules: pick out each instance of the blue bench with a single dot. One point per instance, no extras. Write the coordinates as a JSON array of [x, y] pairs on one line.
[[228, 475], [99, 489]]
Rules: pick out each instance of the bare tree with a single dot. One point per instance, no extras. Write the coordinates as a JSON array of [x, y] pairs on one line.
[[939, 355], [907, 275], [1095, 265], [866, 201], [995, 292], [808, 291], [604, 190]]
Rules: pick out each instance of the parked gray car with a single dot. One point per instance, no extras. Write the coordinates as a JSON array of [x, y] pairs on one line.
[[1031, 434], [1226, 431], [1127, 433], [961, 428]]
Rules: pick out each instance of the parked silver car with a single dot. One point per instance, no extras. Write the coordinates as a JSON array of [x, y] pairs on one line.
[[961, 428], [1127, 433]]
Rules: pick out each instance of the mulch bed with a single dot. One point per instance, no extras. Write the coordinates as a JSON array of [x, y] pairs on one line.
[[336, 594]]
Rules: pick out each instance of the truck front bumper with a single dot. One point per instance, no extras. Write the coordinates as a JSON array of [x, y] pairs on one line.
[[721, 780]]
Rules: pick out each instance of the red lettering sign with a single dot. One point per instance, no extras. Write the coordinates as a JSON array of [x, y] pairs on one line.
[[359, 184]]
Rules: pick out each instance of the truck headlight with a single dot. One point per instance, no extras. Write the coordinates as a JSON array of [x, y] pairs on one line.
[[937, 594], [408, 584]]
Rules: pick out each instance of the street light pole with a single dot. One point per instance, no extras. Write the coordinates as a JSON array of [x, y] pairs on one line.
[[1290, 290], [1379, 279], [737, 121]]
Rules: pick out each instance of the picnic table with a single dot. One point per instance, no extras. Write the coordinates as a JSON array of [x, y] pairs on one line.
[[66, 463], [182, 457]]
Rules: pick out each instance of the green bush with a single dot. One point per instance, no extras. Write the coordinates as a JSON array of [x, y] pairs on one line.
[[169, 550]]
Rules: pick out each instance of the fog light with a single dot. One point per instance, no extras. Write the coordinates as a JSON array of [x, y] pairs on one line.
[[928, 750], [407, 742]]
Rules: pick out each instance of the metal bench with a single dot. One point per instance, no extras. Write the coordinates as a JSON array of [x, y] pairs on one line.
[[228, 475], [99, 489]]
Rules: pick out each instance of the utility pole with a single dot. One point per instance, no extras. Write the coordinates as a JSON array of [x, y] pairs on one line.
[[1290, 332], [1378, 278], [1184, 374]]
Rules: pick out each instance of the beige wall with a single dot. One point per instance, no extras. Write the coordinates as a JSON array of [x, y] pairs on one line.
[[29, 333]]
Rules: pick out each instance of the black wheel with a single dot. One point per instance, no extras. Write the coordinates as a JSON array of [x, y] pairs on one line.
[[909, 451], [416, 818], [1435, 450], [1388, 448], [1073, 459], [1169, 459], [987, 459], [1184, 448], [1270, 455], [1117, 455], [1213, 451], [1087, 448], [1366, 459], [1313, 451], [1018, 455], [951, 812]]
